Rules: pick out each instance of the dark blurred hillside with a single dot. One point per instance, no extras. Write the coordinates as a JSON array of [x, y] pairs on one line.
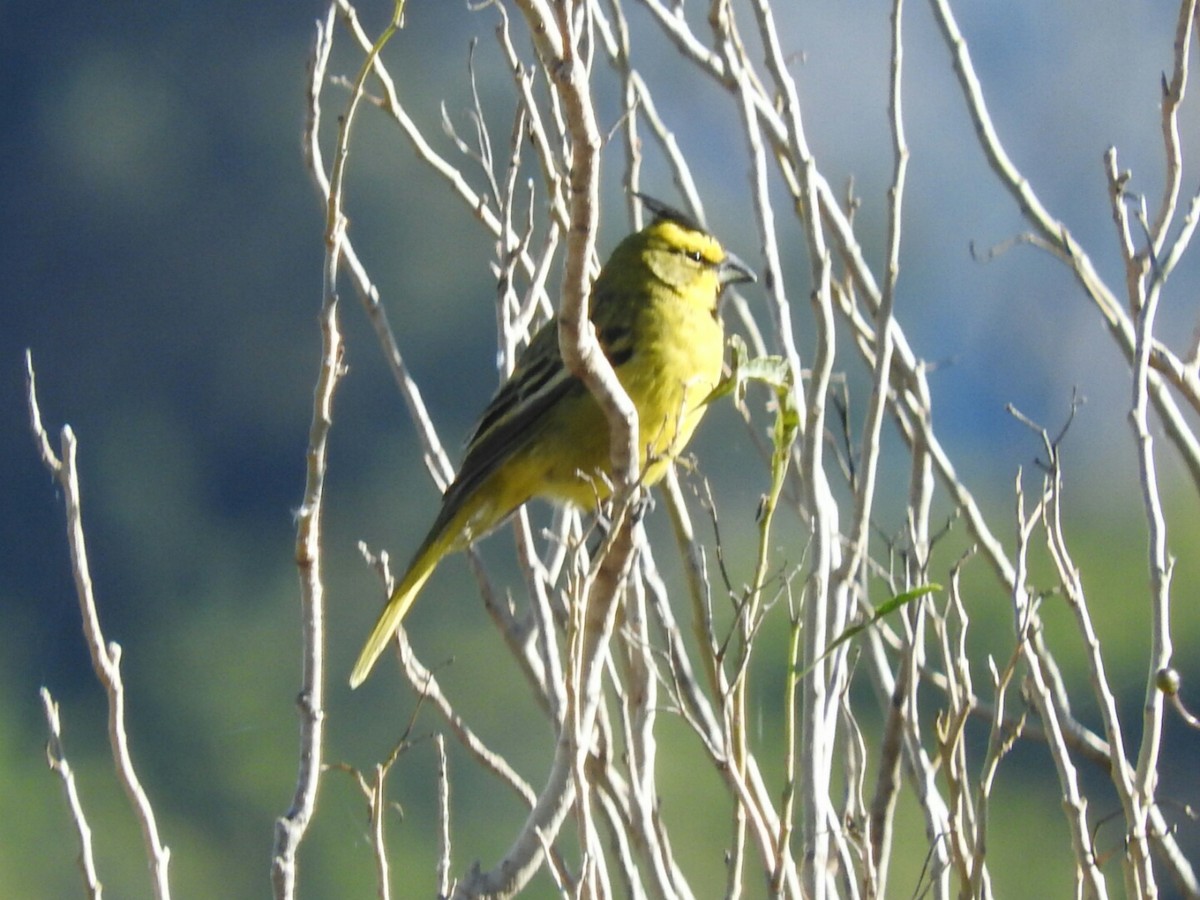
[[161, 250]]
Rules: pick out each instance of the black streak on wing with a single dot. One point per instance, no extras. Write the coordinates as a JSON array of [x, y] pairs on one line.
[[511, 419], [617, 344], [524, 383]]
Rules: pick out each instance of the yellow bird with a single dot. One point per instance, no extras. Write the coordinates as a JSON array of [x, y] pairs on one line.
[[654, 307]]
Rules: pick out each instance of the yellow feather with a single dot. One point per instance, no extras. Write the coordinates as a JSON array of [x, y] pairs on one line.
[[654, 306]]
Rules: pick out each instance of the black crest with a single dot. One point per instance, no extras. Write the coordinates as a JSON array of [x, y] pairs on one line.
[[666, 211]]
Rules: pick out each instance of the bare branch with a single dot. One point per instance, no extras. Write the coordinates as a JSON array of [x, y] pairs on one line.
[[56, 757], [106, 656], [1173, 91], [443, 780], [292, 826], [1026, 625]]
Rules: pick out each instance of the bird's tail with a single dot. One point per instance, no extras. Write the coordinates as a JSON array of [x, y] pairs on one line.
[[398, 603]]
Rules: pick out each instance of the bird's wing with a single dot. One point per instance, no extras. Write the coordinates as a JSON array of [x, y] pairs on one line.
[[521, 407], [514, 415]]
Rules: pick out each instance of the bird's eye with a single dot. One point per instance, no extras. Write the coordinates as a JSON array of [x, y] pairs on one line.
[[695, 256]]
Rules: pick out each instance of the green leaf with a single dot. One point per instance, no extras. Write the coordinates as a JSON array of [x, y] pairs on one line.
[[885, 608], [772, 371]]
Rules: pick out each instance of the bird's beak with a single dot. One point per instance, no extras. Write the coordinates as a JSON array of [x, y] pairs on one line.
[[732, 270]]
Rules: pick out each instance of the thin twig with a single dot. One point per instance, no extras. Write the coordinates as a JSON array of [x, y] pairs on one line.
[[1040, 689], [291, 828], [443, 782], [1172, 97], [56, 757], [105, 655], [1140, 875]]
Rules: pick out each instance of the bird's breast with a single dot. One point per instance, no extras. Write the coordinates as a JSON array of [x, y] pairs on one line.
[[676, 364]]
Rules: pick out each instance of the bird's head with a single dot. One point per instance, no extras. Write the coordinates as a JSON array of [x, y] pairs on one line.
[[682, 253]]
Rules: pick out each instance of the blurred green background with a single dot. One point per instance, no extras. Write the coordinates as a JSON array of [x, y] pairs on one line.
[[162, 251]]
